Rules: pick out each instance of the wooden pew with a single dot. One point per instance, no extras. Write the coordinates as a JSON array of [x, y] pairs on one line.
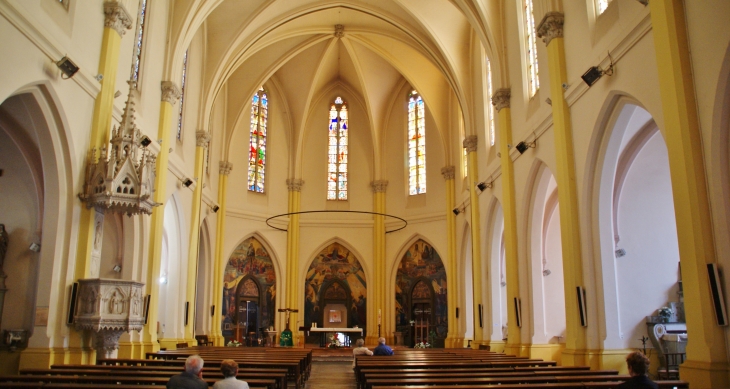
[[116, 379]]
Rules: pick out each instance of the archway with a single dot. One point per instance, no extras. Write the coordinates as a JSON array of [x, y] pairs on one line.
[[497, 276]]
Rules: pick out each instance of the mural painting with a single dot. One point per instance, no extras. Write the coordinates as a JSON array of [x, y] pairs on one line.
[[335, 263], [249, 261], [419, 272]]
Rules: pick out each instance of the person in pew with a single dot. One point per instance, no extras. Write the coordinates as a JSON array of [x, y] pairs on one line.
[[638, 365], [360, 350], [229, 368], [191, 378], [382, 349]]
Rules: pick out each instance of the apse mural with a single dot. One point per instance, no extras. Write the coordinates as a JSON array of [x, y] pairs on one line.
[[249, 283], [420, 293], [335, 267]]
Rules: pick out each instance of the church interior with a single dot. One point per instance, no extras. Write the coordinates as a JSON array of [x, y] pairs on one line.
[[178, 169]]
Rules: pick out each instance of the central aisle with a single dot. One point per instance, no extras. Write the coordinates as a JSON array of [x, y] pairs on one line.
[[334, 375]]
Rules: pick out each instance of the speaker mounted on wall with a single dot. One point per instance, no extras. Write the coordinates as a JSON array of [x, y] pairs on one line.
[[481, 316], [147, 299], [72, 303], [187, 306], [718, 297], [457, 312], [582, 305], [518, 312]]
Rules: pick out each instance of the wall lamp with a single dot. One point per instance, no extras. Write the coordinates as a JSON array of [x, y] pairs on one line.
[[68, 67]]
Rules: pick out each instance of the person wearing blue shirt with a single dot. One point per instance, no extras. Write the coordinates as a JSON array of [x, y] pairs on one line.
[[382, 349]]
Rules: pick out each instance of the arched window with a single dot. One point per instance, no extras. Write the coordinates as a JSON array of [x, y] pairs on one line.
[[257, 141], [531, 49], [337, 166], [137, 55], [416, 144], [490, 109], [182, 96], [601, 6]]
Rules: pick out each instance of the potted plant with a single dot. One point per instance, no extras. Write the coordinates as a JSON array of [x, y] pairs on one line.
[[233, 343], [664, 314]]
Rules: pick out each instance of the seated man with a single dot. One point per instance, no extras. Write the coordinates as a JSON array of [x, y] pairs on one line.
[[191, 378], [360, 350], [382, 349], [638, 365], [229, 368]]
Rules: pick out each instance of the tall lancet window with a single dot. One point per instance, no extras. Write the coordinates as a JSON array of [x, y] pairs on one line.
[[533, 82], [601, 6], [137, 55], [337, 164], [257, 141], [416, 144], [182, 96], [490, 107]]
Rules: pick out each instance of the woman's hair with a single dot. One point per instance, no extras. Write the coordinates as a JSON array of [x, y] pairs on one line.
[[229, 367], [360, 342], [638, 362]]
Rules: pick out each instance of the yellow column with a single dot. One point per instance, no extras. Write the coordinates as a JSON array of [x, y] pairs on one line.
[[202, 138], [706, 365], [220, 261], [382, 316], [292, 261], [551, 30], [470, 143], [170, 95], [501, 101], [453, 340]]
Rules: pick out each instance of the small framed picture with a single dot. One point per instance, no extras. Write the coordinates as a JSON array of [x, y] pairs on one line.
[[335, 316]]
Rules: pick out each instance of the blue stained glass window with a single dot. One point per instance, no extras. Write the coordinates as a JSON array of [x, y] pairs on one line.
[[257, 141], [337, 151], [531, 46], [416, 144]]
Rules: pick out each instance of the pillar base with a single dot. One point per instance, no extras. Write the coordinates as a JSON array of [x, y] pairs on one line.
[[171, 343], [217, 340], [513, 349], [705, 374], [454, 342], [573, 357], [43, 358], [548, 352]]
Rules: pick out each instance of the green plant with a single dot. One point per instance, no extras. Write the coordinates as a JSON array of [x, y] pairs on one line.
[[665, 313]]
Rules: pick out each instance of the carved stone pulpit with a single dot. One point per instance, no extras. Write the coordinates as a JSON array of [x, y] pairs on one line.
[[109, 308]]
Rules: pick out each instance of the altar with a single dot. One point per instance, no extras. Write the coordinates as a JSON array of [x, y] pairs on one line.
[[345, 331]]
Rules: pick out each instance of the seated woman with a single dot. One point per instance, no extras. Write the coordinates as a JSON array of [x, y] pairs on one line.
[[359, 350]]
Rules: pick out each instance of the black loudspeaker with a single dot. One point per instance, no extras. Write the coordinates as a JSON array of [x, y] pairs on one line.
[[147, 299], [212, 310], [518, 312], [72, 303], [718, 298], [582, 305], [187, 306], [457, 312], [481, 316]]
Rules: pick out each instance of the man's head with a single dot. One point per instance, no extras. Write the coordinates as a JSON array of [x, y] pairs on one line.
[[638, 363], [194, 364], [229, 368], [360, 342], [381, 340]]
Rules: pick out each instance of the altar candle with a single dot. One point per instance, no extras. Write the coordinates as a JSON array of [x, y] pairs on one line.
[[379, 316]]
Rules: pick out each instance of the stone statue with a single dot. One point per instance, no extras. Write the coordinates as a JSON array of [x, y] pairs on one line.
[[3, 246]]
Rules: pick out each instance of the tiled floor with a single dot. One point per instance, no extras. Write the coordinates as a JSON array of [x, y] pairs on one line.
[[331, 375]]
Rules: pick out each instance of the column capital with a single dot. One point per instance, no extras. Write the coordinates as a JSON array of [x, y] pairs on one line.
[[449, 172], [379, 186], [117, 17], [170, 92], [225, 167], [294, 184], [470, 143], [501, 98], [202, 138], [551, 27]]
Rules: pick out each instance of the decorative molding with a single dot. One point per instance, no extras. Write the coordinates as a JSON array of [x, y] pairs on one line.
[[294, 184], [225, 168], [339, 30], [449, 172], [379, 186], [470, 143], [551, 27], [501, 98], [202, 138], [170, 92], [117, 17]]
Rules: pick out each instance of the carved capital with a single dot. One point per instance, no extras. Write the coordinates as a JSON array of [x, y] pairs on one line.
[[449, 172], [225, 168], [294, 184], [551, 27], [500, 99], [470, 143], [202, 138], [339, 30], [379, 186], [116, 17], [170, 92]]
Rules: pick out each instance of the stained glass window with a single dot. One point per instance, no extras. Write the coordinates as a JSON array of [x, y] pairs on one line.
[[416, 144], [257, 141], [489, 102], [601, 5], [466, 161], [137, 56], [182, 96], [337, 146], [531, 48]]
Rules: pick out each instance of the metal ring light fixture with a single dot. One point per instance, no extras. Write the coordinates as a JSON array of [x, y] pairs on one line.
[[405, 223]]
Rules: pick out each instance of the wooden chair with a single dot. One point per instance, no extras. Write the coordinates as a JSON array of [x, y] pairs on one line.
[[202, 340], [670, 370]]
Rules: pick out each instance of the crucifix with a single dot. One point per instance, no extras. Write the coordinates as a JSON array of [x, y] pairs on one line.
[[286, 336]]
